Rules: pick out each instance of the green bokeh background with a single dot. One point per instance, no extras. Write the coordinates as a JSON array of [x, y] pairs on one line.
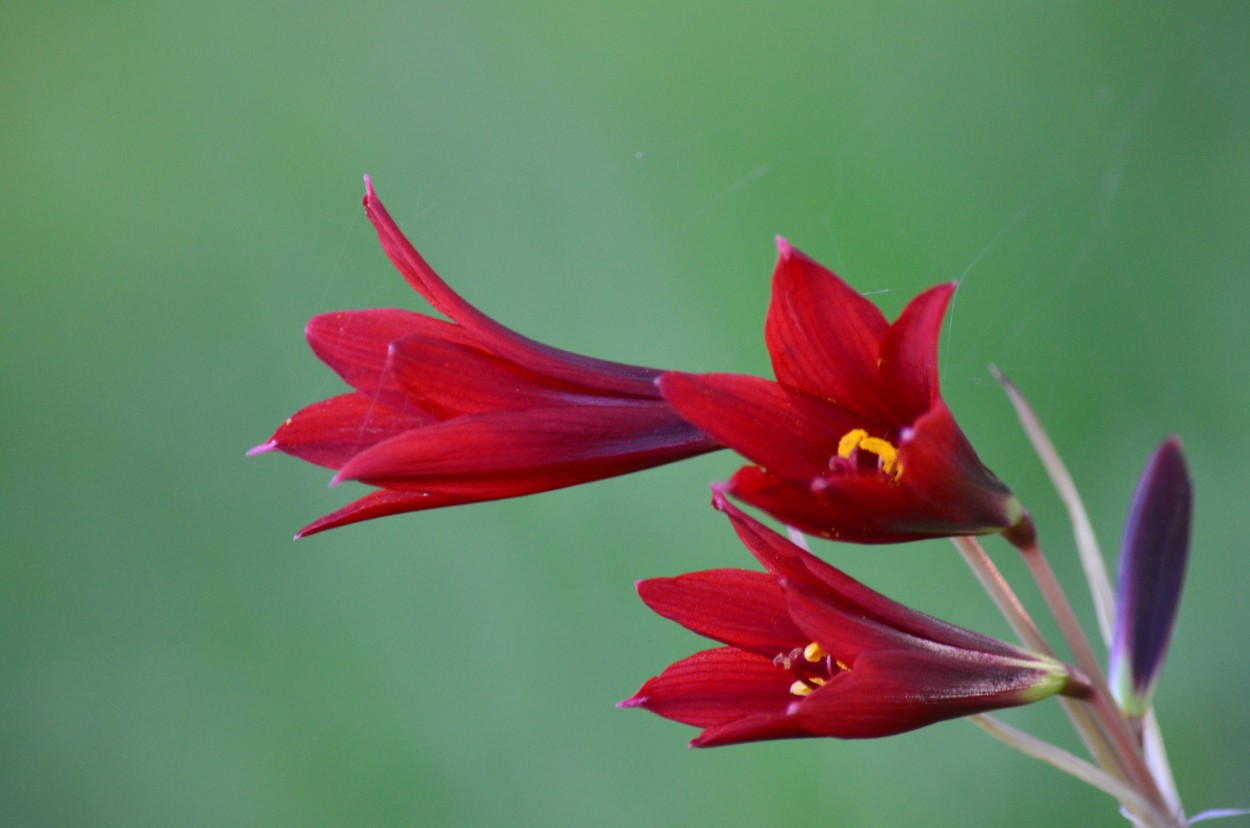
[[179, 192]]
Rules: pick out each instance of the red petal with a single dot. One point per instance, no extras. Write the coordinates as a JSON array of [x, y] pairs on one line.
[[791, 433], [836, 590], [449, 380], [823, 336], [331, 431], [505, 453], [952, 492], [356, 344], [909, 369], [858, 509], [744, 609], [602, 375], [381, 504], [886, 693], [716, 687], [943, 490]]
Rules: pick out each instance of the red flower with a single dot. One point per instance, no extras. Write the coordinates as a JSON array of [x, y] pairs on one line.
[[812, 652], [853, 441], [446, 413]]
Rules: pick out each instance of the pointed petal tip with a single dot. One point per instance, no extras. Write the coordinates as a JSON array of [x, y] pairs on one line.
[[632, 701], [267, 446], [316, 527], [784, 248]]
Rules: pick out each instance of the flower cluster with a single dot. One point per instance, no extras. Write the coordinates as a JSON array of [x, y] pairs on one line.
[[850, 441]]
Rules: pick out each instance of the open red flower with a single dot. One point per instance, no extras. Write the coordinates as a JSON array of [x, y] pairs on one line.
[[812, 652], [445, 413], [853, 441]]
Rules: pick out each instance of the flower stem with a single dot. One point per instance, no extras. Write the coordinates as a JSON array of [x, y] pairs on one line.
[[1000, 592], [1057, 757], [1117, 727], [1086, 542]]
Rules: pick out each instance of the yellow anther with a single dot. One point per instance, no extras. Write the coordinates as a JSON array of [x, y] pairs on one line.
[[841, 665], [800, 688], [813, 652], [887, 454], [850, 441], [884, 450]]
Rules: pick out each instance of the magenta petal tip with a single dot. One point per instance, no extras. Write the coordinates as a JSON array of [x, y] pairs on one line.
[[268, 445], [632, 701], [783, 247], [368, 185]]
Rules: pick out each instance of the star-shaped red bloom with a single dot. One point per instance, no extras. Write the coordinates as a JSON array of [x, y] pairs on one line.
[[444, 413], [812, 652], [853, 441]]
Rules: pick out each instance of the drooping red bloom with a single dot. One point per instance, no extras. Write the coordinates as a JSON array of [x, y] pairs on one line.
[[812, 652], [853, 441], [444, 413]]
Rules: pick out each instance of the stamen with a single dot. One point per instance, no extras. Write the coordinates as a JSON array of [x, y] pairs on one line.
[[800, 688], [883, 450], [813, 652], [850, 441], [855, 440]]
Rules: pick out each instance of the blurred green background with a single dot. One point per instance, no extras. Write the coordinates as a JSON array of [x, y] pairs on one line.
[[179, 192]]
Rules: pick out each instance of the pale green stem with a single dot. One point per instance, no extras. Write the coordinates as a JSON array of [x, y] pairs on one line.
[[1057, 757], [1083, 720], [1086, 543], [1157, 759], [1117, 727], [1095, 569], [1000, 592]]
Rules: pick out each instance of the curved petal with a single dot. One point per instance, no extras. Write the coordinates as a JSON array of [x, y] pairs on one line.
[[837, 514], [602, 375], [942, 490], [909, 367], [823, 336], [356, 345], [947, 483], [892, 692], [448, 379], [330, 432], [789, 432], [534, 450], [381, 504], [715, 687], [838, 592], [734, 606]]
